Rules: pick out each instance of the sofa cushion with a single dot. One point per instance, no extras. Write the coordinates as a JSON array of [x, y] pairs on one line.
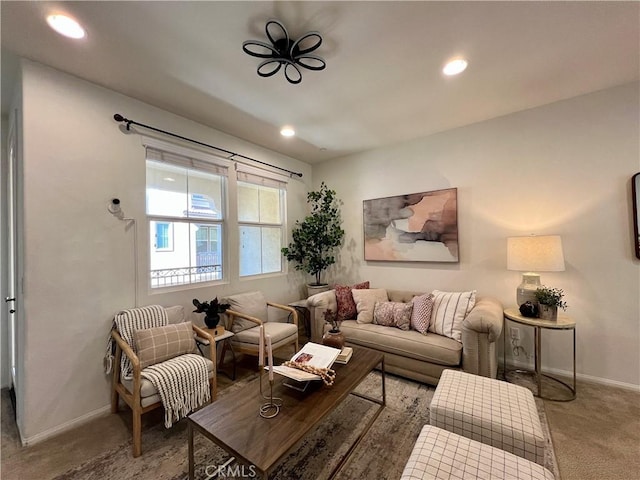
[[175, 314], [393, 314], [429, 348], [252, 304], [449, 310], [155, 345], [346, 308], [366, 302], [421, 314], [278, 330]]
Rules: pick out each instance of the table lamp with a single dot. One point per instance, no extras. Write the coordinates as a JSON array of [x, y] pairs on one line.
[[533, 254]]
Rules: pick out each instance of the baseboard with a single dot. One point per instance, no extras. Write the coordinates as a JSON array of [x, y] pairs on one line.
[[580, 376], [76, 422]]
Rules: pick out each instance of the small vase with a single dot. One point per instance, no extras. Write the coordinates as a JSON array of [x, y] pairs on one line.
[[547, 312], [333, 339], [212, 321]]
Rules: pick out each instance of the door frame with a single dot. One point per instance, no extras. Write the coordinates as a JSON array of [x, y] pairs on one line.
[[12, 264]]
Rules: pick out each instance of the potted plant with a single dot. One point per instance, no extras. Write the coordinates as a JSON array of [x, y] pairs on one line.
[[211, 310], [549, 300], [333, 337], [315, 239]]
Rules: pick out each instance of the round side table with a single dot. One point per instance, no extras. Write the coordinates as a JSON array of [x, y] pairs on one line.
[[562, 323]]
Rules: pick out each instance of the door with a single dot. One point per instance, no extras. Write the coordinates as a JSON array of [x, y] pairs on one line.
[[12, 274]]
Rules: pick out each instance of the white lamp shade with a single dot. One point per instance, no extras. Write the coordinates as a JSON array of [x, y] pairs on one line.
[[535, 253]]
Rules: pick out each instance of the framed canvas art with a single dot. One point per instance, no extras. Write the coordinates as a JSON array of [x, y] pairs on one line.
[[416, 227]]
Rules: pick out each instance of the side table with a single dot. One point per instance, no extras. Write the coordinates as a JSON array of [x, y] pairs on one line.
[[220, 335], [562, 323], [303, 315]]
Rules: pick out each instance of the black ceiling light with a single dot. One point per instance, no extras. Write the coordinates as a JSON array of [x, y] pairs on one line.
[[284, 51]]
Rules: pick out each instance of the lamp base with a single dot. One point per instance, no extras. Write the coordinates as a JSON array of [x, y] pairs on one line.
[[526, 291]]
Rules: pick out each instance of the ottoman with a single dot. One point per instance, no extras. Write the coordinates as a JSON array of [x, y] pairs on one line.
[[490, 411], [444, 455]]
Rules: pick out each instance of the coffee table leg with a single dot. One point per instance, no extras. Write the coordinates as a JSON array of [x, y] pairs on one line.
[[191, 469], [384, 389]]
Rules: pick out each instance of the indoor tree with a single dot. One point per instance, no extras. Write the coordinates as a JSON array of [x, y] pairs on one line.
[[315, 239]]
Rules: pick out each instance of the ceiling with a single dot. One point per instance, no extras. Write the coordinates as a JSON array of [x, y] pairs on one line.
[[383, 82]]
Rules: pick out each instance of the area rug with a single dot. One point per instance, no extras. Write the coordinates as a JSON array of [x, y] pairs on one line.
[[381, 454]]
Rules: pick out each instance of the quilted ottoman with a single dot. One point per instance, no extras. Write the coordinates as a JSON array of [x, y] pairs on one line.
[[490, 411], [440, 454]]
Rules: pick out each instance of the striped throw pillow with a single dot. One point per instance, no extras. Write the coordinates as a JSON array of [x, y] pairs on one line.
[[449, 310]]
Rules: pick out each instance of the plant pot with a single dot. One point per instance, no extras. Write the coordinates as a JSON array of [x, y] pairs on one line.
[[547, 312], [212, 322], [313, 289], [333, 339]]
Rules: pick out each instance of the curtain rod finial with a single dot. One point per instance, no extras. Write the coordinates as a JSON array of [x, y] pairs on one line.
[[118, 118]]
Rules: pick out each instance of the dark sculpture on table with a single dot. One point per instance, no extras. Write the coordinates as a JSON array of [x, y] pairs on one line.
[[529, 309]]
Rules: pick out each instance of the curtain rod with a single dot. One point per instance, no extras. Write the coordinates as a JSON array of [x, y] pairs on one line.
[[119, 118]]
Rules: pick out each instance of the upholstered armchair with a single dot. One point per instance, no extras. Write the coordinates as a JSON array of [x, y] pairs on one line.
[[250, 310], [154, 346]]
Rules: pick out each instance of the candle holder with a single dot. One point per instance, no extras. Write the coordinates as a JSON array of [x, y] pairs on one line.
[[271, 407]]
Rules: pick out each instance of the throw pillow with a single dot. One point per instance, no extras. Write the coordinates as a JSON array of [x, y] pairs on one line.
[[449, 310], [366, 302], [421, 315], [393, 314], [155, 345], [346, 309]]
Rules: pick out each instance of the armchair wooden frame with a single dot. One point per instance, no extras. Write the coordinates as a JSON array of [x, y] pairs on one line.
[[232, 315], [133, 398]]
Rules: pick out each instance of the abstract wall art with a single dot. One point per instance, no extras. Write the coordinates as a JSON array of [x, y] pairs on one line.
[[416, 227]]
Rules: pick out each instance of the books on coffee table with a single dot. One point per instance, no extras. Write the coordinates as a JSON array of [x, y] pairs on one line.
[[345, 355], [314, 354]]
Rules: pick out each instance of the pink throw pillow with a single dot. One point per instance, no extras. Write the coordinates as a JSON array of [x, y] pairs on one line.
[[393, 314], [344, 298], [421, 315]]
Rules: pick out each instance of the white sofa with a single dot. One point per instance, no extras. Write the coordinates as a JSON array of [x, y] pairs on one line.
[[414, 355]]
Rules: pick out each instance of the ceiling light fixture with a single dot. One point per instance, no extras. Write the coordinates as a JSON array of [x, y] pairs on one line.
[[285, 51], [454, 67], [287, 132], [66, 26]]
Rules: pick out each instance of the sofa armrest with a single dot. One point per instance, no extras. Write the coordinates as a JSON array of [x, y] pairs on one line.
[[485, 317], [318, 304], [323, 300]]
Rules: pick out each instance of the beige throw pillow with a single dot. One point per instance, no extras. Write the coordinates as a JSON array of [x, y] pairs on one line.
[[366, 302], [155, 345]]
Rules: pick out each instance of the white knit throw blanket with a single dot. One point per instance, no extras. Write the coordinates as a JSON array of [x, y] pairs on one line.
[[125, 323], [182, 383]]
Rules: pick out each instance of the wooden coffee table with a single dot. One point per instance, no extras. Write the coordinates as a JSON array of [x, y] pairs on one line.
[[233, 422]]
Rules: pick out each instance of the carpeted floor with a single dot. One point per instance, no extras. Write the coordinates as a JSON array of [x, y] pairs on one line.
[[382, 453]]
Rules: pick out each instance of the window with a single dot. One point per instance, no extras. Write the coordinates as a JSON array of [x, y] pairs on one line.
[[186, 194], [164, 236], [261, 226]]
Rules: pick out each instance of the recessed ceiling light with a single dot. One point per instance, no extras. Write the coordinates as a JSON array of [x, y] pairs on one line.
[[454, 67], [66, 26], [287, 132]]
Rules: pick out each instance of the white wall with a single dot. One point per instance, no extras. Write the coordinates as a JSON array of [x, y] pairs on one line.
[[79, 258], [564, 169]]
